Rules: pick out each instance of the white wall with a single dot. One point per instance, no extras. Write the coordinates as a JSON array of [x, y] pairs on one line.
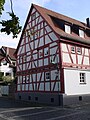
[[6, 69], [72, 82]]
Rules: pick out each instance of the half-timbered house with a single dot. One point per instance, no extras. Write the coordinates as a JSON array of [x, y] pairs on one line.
[[53, 58], [7, 62]]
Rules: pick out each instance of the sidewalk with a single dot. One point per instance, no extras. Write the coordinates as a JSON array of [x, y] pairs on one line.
[[7, 102]]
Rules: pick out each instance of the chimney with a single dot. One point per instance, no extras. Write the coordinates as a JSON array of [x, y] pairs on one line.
[[88, 22]]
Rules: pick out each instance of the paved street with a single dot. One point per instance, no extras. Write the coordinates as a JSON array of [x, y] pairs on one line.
[[17, 110]]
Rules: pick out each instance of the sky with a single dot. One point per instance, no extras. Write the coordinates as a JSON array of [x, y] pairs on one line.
[[77, 9]]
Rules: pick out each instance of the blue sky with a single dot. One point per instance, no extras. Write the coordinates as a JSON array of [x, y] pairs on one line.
[[77, 9]]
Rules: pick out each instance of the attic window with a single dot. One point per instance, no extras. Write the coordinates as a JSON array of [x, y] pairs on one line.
[[88, 32], [67, 29], [58, 23], [75, 29], [81, 33]]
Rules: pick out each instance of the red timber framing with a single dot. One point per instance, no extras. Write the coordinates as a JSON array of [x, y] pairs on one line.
[[79, 58], [39, 61]]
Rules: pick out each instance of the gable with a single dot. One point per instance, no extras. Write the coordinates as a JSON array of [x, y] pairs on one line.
[[36, 33]]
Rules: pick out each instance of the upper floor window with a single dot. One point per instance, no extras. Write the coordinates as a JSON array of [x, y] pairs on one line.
[[81, 33], [47, 75], [79, 50], [67, 29], [73, 49], [24, 58], [20, 59], [46, 51], [41, 53]]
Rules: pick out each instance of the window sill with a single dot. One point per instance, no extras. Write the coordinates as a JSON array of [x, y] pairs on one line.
[[82, 83]]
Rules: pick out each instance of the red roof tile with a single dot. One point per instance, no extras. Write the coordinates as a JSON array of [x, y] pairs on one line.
[[47, 14], [10, 51]]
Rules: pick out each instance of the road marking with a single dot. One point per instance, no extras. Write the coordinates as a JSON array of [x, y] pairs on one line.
[[68, 115], [5, 118], [20, 109], [37, 113]]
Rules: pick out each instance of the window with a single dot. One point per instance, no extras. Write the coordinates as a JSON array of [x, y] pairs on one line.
[[41, 53], [81, 33], [27, 79], [82, 78], [52, 99], [73, 49], [67, 29], [75, 29], [1, 75], [13, 63], [48, 76], [36, 98], [79, 50], [46, 51], [20, 59], [24, 79], [4, 62], [29, 97], [8, 74], [24, 58]]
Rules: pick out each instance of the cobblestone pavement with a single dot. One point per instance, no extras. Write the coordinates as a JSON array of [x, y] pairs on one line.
[[17, 110]]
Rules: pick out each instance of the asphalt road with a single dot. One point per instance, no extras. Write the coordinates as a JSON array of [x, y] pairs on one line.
[[17, 110]]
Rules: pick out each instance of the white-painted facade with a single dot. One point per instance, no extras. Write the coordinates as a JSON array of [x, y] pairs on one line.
[[72, 82], [6, 70]]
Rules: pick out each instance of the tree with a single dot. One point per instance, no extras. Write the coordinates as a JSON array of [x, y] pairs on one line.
[[7, 79], [12, 25]]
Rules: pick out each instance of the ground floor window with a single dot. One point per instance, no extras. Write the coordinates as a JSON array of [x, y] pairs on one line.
[[82, 78]]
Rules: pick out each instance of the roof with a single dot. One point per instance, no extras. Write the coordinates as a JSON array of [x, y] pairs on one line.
[[10, 52], [48, 14]]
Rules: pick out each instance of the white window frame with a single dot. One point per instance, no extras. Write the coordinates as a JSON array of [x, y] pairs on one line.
[[47, 75], [82, 77], [68, 29], [79, 50], [72, 49], [81, 33]]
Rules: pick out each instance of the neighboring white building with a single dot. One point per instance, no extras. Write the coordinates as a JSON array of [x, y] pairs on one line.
[[53, 59], [7, 61]]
